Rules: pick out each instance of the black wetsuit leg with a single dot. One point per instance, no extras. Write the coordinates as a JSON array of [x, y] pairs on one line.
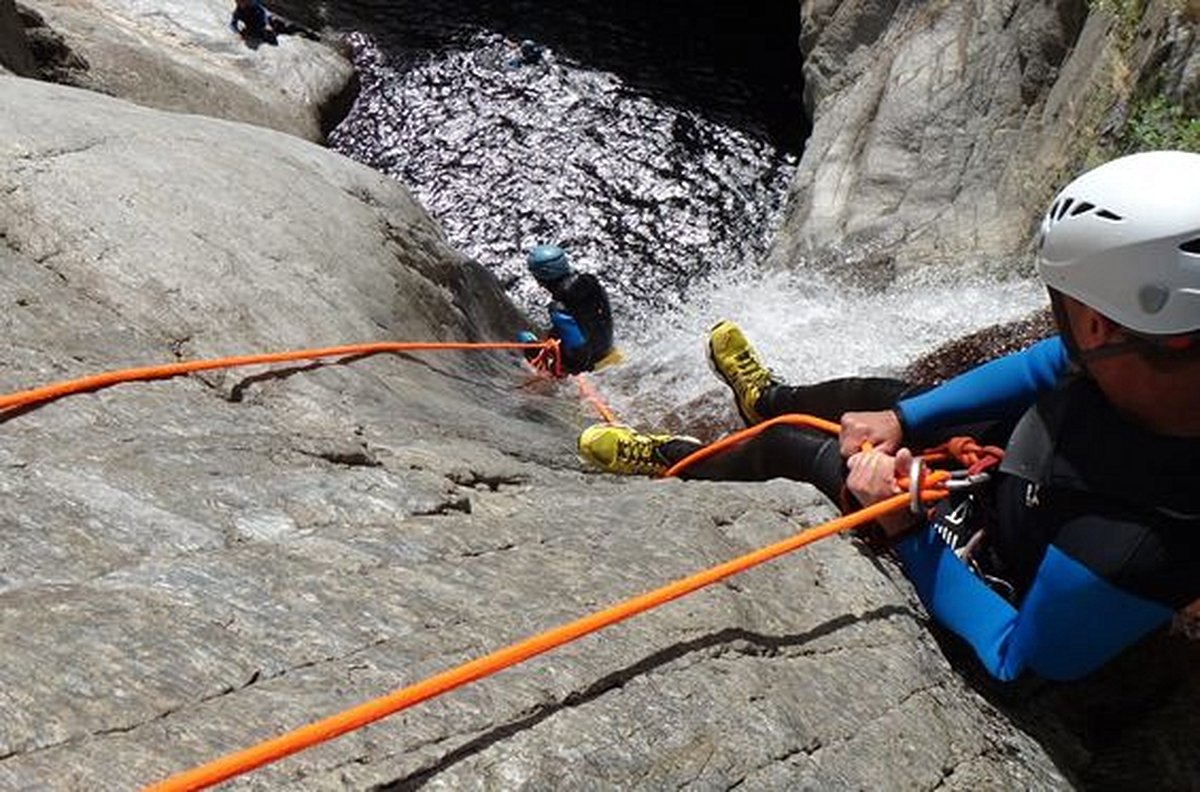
[[794, 452], [831, 398], [782, 451]]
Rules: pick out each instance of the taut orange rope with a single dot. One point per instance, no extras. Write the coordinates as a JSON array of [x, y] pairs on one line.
[[93, 382], [234, 764], [589, 394], [717, 447]]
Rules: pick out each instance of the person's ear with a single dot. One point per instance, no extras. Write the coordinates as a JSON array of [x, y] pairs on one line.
[[1091, 328]]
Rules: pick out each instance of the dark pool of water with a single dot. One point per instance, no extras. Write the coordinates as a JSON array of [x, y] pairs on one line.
[[655, 141]]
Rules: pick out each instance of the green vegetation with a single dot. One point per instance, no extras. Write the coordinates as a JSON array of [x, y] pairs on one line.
[[1127, 14], [1151, 120], [1157, 123]]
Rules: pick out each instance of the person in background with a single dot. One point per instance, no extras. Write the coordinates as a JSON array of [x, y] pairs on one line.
[[1088, 537], [254, 23], [580, 314], [527, 53]]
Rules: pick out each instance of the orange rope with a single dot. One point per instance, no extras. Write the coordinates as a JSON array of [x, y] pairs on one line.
[[737, 437], [234, 764], [93, 382], [964, 449], [589, 394], [549, 359], [320, 731]]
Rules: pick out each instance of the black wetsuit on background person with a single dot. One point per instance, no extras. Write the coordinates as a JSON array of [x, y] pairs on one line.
[[259, 24], [581, 318]]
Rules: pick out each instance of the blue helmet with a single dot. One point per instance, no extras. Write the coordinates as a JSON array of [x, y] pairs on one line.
[[548, 263]]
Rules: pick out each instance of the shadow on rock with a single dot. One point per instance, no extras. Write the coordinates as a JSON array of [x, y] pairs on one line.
[[756, 643]]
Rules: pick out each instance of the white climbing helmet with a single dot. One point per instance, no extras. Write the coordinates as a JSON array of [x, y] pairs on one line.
[[1124, 238]]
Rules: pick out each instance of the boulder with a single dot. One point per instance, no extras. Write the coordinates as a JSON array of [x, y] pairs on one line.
[[180, 55], [15, 57], [937, 131], [191, 566]]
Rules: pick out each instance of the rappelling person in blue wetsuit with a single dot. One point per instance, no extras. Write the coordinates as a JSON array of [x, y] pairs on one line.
[[1088, 537], [580, 314]]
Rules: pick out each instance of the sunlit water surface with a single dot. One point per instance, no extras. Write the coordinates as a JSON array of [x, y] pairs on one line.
[[672, 209]]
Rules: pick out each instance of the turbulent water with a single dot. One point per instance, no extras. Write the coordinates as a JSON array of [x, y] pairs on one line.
[[670, 198]]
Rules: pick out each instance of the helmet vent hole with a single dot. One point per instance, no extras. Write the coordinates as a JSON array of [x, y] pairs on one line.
[[1192, 246], [1081, 207], [1107, 215], [1062, 210]]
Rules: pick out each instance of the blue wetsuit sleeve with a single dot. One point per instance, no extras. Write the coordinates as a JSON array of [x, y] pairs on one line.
[[998, 389], [1071, 621], [566, 329]]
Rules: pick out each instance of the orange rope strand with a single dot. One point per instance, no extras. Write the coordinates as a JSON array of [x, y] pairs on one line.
[[234, 764], [589, 394], [717, 447], [96, 381], [248, 759]]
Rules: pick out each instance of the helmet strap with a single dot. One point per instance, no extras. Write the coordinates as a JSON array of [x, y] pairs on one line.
[[1185, 345], [1058, 307]]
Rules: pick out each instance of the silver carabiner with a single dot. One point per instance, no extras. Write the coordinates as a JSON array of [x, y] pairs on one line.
[[914, 484]]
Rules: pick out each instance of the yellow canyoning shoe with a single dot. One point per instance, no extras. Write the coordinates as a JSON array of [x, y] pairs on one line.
[[619, 449], [736, 362]]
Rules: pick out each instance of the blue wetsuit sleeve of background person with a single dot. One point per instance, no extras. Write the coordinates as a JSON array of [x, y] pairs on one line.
[[565, 328], [1069, 623], [1001, 388]]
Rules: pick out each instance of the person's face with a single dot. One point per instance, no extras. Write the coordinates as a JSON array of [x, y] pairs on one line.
[[1160, 394]]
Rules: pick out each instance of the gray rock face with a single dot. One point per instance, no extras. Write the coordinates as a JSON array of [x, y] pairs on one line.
[[941, 130], [194, 565], [180, 55], [1175, 51], [933, 130]]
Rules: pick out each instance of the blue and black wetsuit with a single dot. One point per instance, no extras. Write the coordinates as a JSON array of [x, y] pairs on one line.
[[255, 21], [1093, 541], [581, 318], [1092, 527]]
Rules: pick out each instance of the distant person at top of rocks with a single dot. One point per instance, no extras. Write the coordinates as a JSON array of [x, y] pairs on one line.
[[255, 23], [527, 53]]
